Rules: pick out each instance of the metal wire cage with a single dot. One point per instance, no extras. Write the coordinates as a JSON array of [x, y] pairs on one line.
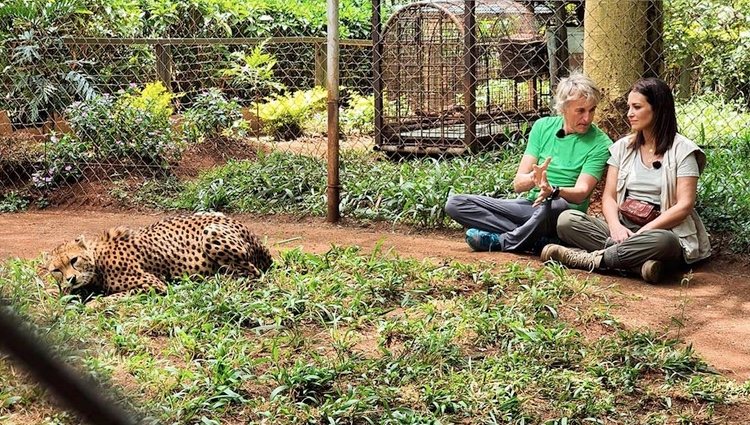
[[459, 75]]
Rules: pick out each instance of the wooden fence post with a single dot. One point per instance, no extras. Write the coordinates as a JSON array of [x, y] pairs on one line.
[[164, 64], [320, 64]]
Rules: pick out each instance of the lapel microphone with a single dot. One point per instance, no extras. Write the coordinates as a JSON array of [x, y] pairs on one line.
[[656, 165]]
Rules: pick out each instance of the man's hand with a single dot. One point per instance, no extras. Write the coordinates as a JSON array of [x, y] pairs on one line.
[[545, 190], [539, 172]]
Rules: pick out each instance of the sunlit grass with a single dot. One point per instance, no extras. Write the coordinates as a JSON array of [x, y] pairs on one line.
[[347, 337]]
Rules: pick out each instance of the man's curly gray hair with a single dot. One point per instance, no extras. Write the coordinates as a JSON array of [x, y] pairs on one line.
[[574, 87]]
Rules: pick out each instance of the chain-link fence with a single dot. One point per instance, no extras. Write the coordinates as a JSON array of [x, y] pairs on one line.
[[95, 106]]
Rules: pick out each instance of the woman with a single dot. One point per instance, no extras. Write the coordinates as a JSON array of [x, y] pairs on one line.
[[563, 161], [655, 169]]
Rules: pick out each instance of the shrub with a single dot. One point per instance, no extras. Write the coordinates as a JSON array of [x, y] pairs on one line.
[[722, 196], [13, 201], [134, 127], [212, 116], [283, 116], [252, 72], [712, 121], [359, 115], [408, 192], [39, 77], [63, 163]]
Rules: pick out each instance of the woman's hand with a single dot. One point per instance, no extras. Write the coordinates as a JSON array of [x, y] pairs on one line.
[[618, 232]]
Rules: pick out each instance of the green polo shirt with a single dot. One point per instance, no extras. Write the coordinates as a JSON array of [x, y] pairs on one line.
[[571, 155]]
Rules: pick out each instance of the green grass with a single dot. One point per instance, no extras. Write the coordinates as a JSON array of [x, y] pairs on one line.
[[722, 201], [411, 192], [710, 121], [348, 337], [414, 192]]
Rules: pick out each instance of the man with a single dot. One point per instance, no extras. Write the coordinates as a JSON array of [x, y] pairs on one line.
[[564, 159]]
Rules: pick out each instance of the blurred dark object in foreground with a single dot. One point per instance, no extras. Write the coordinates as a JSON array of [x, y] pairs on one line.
[[82, 396]]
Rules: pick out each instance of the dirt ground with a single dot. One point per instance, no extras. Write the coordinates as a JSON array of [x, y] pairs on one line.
[[713, 307]]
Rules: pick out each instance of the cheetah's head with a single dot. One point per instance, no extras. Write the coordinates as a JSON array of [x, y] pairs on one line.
[[72, 265]]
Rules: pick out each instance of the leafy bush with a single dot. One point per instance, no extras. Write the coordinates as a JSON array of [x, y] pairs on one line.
[[722, 202], [252, 72], [273, 184], [706, 45], [135, 126], [283, 116], [42, 79], [712, 121], [63, 163], [408, 192], [13, 201], [212, 115], [359, 115], [416, 191]]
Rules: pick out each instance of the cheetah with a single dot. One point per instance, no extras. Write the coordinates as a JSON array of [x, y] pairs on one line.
[[125, 260]]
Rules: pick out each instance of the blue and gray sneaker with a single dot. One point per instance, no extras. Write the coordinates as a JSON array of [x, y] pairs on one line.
[[481, 240]]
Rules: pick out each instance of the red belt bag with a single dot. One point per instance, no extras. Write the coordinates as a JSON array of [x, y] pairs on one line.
[[638, 212]]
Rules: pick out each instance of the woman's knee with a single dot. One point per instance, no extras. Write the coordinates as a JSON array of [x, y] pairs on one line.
[[664, 240], [567, 221]]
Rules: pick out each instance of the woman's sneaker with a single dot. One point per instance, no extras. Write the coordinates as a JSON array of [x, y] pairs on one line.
[[481, 240], [652, 271], [572, 257]]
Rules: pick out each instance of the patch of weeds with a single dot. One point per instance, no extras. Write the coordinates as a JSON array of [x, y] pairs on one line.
[[160, 194], [13, 201], [349, 337]]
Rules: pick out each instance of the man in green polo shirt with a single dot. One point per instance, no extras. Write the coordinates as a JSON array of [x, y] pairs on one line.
[[564, 159]]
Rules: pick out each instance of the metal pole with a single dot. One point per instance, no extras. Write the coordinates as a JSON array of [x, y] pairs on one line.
[[333, 111], [377, 61], [470, 76]]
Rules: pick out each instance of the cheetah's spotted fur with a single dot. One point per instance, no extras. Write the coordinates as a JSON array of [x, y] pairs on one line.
[[122, 259]]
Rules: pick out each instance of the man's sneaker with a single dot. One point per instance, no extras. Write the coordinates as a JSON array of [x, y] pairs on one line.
[[480, 240], [571, 257], [652, 270]]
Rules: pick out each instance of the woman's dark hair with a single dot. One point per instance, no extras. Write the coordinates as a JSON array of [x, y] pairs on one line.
[[659, 96]]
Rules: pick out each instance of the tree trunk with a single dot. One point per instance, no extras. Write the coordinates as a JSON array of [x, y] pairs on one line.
[[621, 43]]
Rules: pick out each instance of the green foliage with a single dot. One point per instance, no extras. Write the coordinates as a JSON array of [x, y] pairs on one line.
[[349, 337], [212, 116], [63, 162], [12, 201], [710, 41], [275, 183], [134, 127], [283, 116], [722, 128], [722, 202], [42, 78], [359, 114], [416, 191], [402, 192], [220, 18], [252, 72], [712, 121]]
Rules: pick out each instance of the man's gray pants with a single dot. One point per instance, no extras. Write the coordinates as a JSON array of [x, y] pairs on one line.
[[592, 234], [519, 223]]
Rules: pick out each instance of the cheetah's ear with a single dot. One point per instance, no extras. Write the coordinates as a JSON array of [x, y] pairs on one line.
[[42, 268], [81, 241]]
